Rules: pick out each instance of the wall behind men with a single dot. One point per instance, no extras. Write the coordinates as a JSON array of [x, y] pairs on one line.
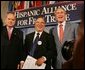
[[4, 9]]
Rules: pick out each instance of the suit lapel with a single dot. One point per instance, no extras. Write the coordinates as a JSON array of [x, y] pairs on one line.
[[5, 33], [32, 37], [31, 40], [42, 36], [55, 33], [66, 31]]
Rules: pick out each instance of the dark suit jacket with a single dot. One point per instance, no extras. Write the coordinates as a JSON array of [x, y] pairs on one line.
[[47, 49], [11, 49]]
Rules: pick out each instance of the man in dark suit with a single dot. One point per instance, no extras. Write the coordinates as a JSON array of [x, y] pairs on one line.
[[45, 47], [64, 31], [11, 43]]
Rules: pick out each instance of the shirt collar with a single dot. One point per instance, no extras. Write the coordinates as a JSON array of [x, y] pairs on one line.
[[38, 32], [10, 28], [63, 23]]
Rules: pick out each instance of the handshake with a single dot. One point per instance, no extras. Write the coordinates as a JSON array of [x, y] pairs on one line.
[[39, 62]]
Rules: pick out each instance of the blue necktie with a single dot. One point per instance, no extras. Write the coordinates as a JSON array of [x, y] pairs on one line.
[[34, 45]]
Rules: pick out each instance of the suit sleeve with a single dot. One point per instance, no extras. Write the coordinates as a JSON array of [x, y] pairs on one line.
[[76, 30], [24, 54], [52, 52], [54, 56], [20, 45], [26, 47]]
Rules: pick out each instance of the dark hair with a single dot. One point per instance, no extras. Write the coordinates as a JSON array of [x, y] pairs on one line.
[[41, 16]]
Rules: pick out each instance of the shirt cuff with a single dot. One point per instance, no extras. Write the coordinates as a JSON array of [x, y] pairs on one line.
[[22, 61], [44, 58]]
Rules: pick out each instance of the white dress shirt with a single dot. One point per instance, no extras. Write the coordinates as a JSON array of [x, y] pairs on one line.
[[10, 29]]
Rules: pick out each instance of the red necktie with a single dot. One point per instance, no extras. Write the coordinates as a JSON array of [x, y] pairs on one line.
[[61, 32]]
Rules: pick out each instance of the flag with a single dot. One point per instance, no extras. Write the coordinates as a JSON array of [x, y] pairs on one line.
[[10, 6], [38, 3], [44, 3], [35, 4], [26, 5], [19, 5], [31, 4], [52, 2]]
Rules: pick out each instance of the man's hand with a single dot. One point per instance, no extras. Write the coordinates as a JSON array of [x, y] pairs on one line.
[[20, 65], [40, 61]]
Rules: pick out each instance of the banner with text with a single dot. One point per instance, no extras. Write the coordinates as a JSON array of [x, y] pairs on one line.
[[26, 17]]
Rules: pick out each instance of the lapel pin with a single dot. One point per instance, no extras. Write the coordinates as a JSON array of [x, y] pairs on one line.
[[39, 42]]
